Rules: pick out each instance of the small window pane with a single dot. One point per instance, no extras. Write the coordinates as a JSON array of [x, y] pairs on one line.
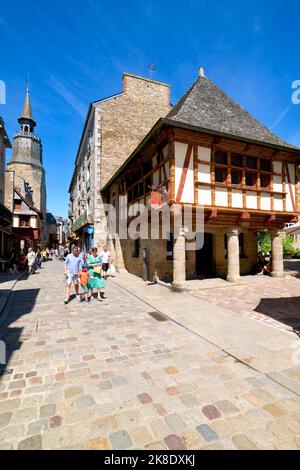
[[250, 179], [264, 181], [236, 160], [265, 165], [236, 177], [221, 157], [251, 162], [220, 175]]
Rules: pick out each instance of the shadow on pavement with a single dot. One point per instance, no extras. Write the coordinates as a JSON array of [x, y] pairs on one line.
[[21, 302], [285, 310]]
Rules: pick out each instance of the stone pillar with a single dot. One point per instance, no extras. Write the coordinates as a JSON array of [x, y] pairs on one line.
[[179, 268], [233, 255], [277, 253], [119, 259]]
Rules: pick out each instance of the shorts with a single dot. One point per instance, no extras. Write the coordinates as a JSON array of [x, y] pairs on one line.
[[105, 267], [72, 278], [84, 288]]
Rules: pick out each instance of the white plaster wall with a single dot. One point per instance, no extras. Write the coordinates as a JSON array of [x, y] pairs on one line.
[[204, 196], [204, 154], [278, 202], [265, 201], [277, 167], [251, 200], [204, 175], [277, 183], [237, 198], [221, 197]]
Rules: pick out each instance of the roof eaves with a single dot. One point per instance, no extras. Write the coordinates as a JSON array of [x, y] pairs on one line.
[[182, 125]]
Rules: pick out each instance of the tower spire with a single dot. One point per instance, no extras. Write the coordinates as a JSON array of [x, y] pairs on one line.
[[26, 116]]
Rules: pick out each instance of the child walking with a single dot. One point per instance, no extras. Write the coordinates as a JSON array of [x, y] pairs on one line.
[[83, 277]]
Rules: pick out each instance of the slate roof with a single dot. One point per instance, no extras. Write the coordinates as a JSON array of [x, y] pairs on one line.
[[207, 106]]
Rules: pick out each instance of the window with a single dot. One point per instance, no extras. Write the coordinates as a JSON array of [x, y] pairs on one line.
[[251, 179], [170, 246], [220, 175], [265, 181], [24, 221], [136, 248], [265, 165], [220, 157], [251, 163], [236, 177], [236, 160], [17, 204]]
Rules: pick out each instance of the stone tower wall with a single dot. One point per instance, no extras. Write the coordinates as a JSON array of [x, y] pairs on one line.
[[27, 150], [36, 178]]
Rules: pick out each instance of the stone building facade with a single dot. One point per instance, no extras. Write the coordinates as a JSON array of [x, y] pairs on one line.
[[113, 128], [27, 162], [5, 213], [213, 158]]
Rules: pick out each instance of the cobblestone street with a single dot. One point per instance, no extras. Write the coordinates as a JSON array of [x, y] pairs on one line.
[[264, 299], [117, 375]]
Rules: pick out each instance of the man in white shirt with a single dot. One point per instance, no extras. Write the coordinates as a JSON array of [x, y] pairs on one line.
[[105, 258], [31, 260]]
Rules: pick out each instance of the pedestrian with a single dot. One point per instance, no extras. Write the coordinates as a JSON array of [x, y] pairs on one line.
[[61, 253], [73, 264], [83, 277], [106, 259], [94, 266], [31, 260], [44, 255], [38, 262]]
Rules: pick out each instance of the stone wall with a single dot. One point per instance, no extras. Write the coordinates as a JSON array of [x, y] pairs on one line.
[[127, 118], [2, 170], [121, 123], [9, 190], [115, 126]]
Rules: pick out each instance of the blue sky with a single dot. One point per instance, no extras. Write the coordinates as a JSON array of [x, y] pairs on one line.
[[76, 51]]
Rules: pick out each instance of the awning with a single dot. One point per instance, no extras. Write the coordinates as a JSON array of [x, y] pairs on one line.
[[293, 230]]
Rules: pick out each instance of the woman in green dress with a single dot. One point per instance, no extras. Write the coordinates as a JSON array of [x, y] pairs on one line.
[[96, 282]]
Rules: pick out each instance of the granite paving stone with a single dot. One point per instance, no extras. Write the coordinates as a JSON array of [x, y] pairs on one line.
[[116, 378]]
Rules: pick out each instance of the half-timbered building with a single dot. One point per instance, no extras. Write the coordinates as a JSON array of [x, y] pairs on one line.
[[209, 151]]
